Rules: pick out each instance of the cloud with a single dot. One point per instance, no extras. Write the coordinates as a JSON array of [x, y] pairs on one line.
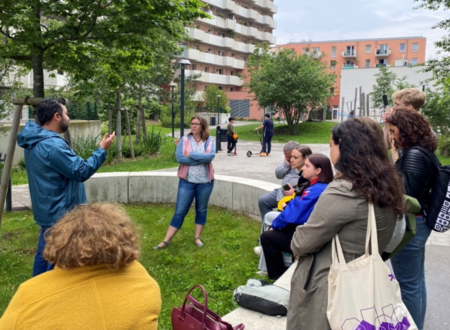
[[332, 20]]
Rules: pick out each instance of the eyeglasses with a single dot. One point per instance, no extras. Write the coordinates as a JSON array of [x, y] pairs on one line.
[[195, 124]]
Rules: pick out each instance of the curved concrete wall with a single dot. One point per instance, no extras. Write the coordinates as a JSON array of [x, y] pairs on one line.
[[239, 194]]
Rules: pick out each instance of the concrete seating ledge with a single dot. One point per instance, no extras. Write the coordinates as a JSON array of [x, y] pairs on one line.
[[238, 194]]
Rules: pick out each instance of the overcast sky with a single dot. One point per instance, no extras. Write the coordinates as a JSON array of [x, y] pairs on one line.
[[319, 20]]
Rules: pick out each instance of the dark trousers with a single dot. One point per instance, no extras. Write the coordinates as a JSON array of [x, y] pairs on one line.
[[274, 243], [267, 144], [231, 143], [40, 264]]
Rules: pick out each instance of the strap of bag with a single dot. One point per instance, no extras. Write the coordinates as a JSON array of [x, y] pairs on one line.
[[192, 299], [337, 255]]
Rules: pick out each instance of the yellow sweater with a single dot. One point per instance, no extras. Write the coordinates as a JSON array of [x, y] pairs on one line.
[[86, 298]]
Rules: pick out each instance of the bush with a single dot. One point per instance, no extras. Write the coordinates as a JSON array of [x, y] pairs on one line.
[[444, 145], [85, 146], [151, 143]]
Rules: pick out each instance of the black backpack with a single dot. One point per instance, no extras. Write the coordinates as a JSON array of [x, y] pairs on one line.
[[437, 213]]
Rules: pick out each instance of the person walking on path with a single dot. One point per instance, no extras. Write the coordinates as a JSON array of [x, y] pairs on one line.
[[230, 137], [195, 153], [267, 135], [55, 173]]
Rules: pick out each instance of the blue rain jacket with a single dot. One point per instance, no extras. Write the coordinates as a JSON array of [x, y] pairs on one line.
[[55, 173]]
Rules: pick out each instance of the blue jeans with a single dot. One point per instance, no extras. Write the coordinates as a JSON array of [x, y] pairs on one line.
[[409, 268], [187, 191], [40, 264]]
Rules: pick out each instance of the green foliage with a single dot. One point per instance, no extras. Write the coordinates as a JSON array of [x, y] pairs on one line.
[[384, 85], [90, 32], [291, 83], [437, 109], [85, 146], [226, 261], [151, 142], [444, 145], [440, 67], [210, 97]]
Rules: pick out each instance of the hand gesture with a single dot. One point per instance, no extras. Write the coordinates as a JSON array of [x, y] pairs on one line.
[[289, 192], [107, 141]]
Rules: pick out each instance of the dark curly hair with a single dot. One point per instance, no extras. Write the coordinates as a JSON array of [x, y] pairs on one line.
[[413, 129], [364, 162], [47, 108]]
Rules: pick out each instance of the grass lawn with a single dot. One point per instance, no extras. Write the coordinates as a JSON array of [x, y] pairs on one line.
[[226, 261]]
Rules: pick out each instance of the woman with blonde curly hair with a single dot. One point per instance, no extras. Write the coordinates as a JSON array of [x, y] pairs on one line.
[[97, 282]]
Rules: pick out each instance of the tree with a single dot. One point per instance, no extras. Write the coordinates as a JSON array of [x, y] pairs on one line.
[[439, 67], [384, 85], [437, 109], [292, 83], [67, 35], [210, 98]]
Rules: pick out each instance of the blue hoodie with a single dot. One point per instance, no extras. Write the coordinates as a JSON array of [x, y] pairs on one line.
[[55, 173]]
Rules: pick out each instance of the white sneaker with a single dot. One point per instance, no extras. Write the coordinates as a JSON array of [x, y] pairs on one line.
[[262, 273], [257, 250], [229, 154]]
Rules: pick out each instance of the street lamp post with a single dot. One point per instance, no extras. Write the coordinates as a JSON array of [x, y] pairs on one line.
[[172, 85], [218, 110], [183, 62]]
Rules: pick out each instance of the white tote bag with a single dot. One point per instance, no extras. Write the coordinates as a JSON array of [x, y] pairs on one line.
[[363, 294]]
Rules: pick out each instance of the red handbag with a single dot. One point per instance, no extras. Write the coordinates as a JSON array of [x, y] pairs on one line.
[[195, 316]]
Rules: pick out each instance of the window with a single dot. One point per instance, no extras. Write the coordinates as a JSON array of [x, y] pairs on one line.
[[231, 89], [305, 50], [193, 66], [209, 50], [316, 49], [414, 61], [350, 51], [332, 64], [367, 63], [231, 73], [415, 47], [219, 71], [403, 47], [333, 51], [206, 69], [368, 49]]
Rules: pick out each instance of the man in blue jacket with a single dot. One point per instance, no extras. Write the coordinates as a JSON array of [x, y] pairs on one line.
[[55, 173]]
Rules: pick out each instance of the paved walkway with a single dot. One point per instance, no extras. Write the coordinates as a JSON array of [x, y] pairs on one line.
[[262, 168]]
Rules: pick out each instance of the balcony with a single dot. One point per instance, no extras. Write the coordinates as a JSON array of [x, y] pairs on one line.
[[382, 52], [349, 54], [266, 4], [227, 24], [214, 78], [314, 54], [267, 21], [201, 57], [349, 66], [247, 13], [223, 4], [223, 42], [382, 65]]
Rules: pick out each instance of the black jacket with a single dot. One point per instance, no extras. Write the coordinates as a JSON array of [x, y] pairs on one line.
[[417, 166]]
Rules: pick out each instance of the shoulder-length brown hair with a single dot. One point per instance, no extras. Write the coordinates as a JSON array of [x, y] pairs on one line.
[[304, 150], [413, 129], [364, 162], [324, 163], [204, 133], [89, 235]]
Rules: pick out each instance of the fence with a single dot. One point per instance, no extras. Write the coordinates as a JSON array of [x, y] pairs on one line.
[[76, 111]]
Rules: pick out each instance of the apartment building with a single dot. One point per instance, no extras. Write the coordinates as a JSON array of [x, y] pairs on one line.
[[221, 45], [362, 53]]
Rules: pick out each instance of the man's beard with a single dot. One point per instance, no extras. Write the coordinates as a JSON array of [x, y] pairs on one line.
[[64, 126]]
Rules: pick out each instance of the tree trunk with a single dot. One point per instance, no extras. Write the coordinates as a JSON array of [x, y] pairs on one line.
[[110, 118], [118, 124], [139, 118], [129, 133]]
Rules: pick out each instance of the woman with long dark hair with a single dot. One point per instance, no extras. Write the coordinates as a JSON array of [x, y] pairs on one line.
[[412, 134], [364, 175], [317, 170]]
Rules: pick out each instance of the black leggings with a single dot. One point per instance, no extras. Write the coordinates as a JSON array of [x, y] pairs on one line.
[[274, 242], [231, 143]]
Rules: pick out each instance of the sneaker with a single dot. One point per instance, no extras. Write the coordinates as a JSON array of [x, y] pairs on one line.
[[229, 154], [263, 154], [257, 250], [268, 154], [262, 273]]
